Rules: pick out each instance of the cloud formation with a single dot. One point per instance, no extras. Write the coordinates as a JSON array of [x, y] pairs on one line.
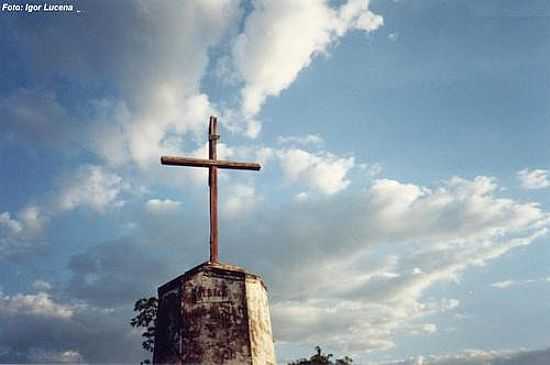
[[310, 139], [154, 53], [322, 172], [462, 223], [34, 304], [480, 357], [242, 198], [20, 233], [88, 186], [348, 271], [37, 328], [533, 179], [281, 38], [91, 186], [505, 284], [162, 206]]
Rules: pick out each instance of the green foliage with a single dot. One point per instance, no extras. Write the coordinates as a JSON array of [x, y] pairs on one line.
[[146, 317], [322, 359]]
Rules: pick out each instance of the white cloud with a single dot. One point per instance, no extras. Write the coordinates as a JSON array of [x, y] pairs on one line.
[[29, 222], [260, 154], [323, 172], [533, 179], [420, 329], [428, 236], [145, 135], [310, 139], [360, 303], [239, 200], [356, 15], [19, 234], [372, 170], [91, 186], [32, 219], [301, 196], [238, 123], [155, 52], [161, 206], [319, 171], [42, 356], [503, 284], [39, 304], [471, 204], [281, 38], [348, 271], [160, 108], [41, 285], [9, 224], [449, 304], [393, 36], [162, 112], [40, 328], [429, 328], [511, 283], [479, 357]]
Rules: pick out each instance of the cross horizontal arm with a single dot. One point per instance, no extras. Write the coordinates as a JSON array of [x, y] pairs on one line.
[[198, 162]]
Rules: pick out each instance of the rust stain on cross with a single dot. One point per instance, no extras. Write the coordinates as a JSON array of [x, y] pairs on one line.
[[213, 164]]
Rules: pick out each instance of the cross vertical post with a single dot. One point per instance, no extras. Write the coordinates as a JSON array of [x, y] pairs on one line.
[[213, 165], [213, 137]]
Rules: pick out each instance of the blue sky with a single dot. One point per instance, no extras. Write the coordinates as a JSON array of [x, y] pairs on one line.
[[401, 212]]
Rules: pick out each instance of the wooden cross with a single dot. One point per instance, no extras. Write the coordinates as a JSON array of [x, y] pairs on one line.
[[213, 164]]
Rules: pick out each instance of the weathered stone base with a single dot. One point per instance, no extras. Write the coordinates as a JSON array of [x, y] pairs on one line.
[[214, 314]]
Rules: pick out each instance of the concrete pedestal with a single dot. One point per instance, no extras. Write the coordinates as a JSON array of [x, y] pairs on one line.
[[214, 314]]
